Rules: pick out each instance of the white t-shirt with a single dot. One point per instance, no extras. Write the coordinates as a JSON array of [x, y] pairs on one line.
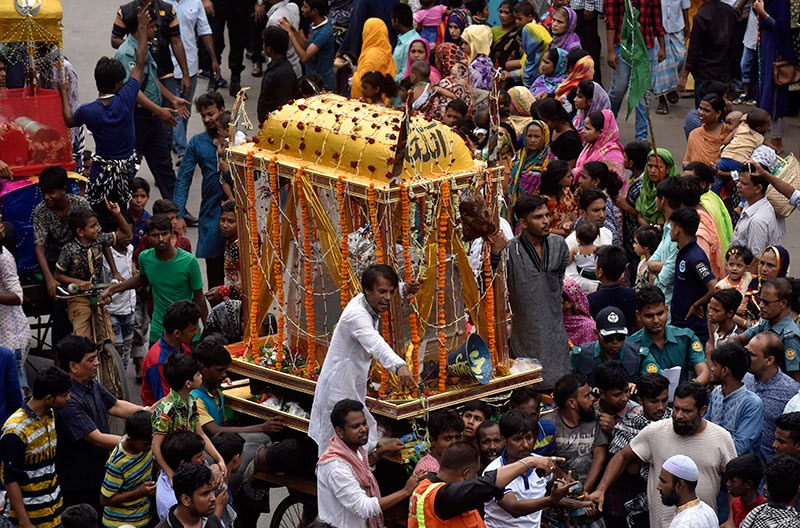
[[588, 286], [528, 486], [700, 515], [711, 450]]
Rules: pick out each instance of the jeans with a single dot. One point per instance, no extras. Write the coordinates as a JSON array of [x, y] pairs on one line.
[[620, 79], [152, 142], [21, 374], [123, 335], [179, 132], [141, 325], [749, 60]]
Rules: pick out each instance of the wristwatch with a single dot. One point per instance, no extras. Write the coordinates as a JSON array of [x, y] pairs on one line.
[[260, 2]]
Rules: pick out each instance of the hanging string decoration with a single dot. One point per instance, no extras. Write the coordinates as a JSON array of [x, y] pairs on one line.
[[380, 257], [405, 225]]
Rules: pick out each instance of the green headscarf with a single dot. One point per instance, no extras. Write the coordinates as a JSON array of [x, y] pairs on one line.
[[646, 203]]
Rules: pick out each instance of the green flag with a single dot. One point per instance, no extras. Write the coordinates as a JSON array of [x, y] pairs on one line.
[[634, 52]]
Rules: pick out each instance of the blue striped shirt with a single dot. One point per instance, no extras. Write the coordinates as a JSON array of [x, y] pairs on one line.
[[125, 472]]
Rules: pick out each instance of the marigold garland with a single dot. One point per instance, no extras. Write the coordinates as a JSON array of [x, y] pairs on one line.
[[444, 218], [343, 233], [277, 265], [380, 257], [488, 303], [413, 361], [255, 270], [309, 277]]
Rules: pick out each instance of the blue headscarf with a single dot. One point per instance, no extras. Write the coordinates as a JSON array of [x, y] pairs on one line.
[[535, 41]]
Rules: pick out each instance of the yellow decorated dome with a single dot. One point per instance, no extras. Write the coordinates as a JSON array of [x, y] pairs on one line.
[[344, 136]]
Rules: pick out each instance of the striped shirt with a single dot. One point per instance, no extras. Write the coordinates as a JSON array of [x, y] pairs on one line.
[[125, 472], [28, 452]]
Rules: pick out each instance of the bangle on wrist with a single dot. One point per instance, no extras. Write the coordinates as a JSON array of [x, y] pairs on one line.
[[522, 460]]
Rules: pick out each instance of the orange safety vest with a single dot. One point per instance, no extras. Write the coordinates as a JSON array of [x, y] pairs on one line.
[[422, 515]]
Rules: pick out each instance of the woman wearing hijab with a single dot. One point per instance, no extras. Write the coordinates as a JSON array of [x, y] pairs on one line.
[[552, 71], [580, 70], [452, 64], [477, 42], [655, 173], [535, 41], [565, 20], [376, 54], [578, 321], [420, 50], [590, 97], [772, 264], [520, 107], [532, 159], [457, 22], [601, 135]]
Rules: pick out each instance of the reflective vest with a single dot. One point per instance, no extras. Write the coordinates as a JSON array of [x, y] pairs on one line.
[[421, 513]]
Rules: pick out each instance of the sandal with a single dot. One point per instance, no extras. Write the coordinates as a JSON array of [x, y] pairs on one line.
[[662, 109]]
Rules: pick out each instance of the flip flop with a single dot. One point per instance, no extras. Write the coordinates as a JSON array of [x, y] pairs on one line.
[[662, 109]]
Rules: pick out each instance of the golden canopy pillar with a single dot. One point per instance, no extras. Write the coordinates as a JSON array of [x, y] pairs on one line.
[[331, 185]]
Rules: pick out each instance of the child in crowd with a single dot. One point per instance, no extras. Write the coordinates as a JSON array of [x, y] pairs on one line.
[[743, 476], [178, 411], [128, 483], [181, 322], [721, 313], [215, 360], [743, 140], [27, 459], [378, 89], [528, 400], [421, 89], [79, 516], [230, 447], [645, 242], [473, 414], [444, 429], [180, 448], [225, 314], [122, 308], [490, 442], [584, 255], [733, 119], [611, 264], [455, 110], [737, 261], [136, 210], [428, 18], [316, 52], [81, 262]]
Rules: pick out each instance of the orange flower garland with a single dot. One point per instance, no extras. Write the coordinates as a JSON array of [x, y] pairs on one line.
[[277, 265], [255, 270], [343, 232], [380, 257], [309, 277], [444, 218], [412, 317], [488, 303]]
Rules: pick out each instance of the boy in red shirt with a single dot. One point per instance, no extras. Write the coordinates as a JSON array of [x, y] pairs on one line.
[[743, 475]]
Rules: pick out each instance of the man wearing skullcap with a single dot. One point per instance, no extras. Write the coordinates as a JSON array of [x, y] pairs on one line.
[[676, 484]]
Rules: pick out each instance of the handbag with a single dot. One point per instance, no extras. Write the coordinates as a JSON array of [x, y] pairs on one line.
[[784, 73], [788, 171]]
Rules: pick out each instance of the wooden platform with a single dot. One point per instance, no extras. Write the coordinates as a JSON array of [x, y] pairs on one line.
[[396, 409]]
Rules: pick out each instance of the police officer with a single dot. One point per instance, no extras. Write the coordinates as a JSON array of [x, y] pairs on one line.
[[236, 14], [776, 315], [612, 345]]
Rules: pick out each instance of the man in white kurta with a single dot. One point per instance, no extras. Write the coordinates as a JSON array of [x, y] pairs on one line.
[[676, 484], [356, 340]]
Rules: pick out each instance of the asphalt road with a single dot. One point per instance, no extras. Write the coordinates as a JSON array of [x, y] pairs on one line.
[[87, 30]]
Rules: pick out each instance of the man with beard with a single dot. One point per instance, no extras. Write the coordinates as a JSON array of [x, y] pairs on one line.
[[536, 262], [202, 152], [490, 442], [579, 438], [706, 443], [677, 484], [347, 492]]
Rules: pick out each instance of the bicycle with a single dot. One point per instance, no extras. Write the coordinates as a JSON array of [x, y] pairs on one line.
[[111, 373]]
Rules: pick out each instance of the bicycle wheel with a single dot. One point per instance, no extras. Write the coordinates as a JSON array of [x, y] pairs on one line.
[[295, 511], [110, 374]]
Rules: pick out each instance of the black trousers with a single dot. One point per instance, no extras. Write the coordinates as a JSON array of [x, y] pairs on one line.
[[256, 44], [153, 140], [236, 15], [590, 40], [737, 48]]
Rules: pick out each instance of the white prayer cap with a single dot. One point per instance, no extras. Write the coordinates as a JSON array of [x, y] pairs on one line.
[[682, 467]]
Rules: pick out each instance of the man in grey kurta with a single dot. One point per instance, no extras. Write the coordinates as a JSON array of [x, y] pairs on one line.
[[535, 265]]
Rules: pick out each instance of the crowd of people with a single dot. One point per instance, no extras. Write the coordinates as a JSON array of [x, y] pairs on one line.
[[652, 289]]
